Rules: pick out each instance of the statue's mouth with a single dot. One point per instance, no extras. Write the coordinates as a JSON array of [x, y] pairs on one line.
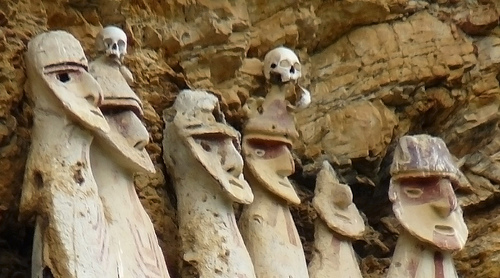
[[444, 229], [342, 216], [287, 185]]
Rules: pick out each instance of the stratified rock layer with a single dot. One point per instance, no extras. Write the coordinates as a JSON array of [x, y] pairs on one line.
[[377, 69]]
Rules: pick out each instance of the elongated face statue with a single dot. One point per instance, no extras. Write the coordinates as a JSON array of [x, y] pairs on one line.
[[333, 202], [58, 78], [128, 136], [267, 144], [200, 125], [421, 189], [127, 140], [122, 108]]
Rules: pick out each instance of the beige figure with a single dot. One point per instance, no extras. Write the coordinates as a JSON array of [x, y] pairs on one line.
[[338, 224], [421, 190], [266, 225], [201, 153], [115, 157], [71, 233]]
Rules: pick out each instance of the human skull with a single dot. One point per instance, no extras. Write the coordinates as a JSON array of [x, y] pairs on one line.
[[112, 41], [284, 62]]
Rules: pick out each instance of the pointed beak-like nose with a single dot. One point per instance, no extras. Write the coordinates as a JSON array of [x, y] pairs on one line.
[[131, 127], [442, 207], [448, 203], [342, 196], [232, 162]]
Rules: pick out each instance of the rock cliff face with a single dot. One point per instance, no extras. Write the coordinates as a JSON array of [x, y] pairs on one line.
[[377, 69]]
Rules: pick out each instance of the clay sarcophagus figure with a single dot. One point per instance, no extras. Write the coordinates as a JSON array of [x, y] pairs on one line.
[[72, 238], [116, 155], [338, 224], [266, 225], [202, 156], [424, 176]]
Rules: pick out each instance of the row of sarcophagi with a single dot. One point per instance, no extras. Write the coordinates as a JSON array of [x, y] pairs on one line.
[[88, 141]]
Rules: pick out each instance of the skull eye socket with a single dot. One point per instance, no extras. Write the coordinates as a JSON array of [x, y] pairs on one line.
[[108, 42], [297, 66], [121, 44], [285, 64], [273, 65]]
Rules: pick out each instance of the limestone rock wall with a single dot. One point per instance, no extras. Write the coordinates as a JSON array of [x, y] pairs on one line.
[[377, 69]]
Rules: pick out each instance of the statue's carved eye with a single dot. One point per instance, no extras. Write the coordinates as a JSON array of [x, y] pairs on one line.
[[260, 153], [64, 72], [205, 146], [413, 192], [63, 77]]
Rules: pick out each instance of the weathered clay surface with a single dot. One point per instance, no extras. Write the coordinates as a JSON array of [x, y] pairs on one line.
[[339, 223], [377, 69], [266, 224], [423, 178], [202, 155], [72, 236], [117, 155]]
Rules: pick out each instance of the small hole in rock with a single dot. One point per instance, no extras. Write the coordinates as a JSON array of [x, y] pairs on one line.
[[63, 77]]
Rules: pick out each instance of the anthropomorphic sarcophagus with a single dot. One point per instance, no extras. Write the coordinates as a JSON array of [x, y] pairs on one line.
[[202, 156], [424, 176], [338, 224], [267, 225], [117, 155]]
